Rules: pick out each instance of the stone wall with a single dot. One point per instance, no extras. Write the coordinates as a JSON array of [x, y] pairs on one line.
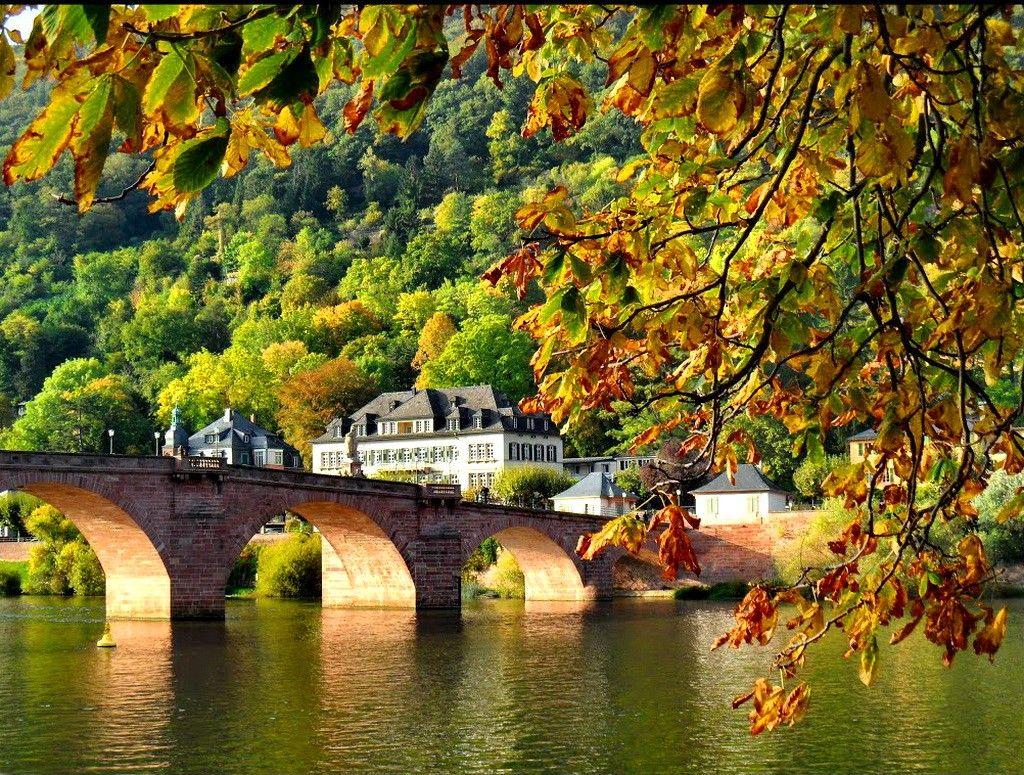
[[15, 551], [725, 553]]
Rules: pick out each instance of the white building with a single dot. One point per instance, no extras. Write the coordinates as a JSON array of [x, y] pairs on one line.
[[747, 501], [454, 435], [608, 464], [595, 493]]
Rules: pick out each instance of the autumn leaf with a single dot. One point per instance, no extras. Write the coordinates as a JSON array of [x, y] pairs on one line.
[[869, 662], [988, 640], [627, 532], [720, 101]]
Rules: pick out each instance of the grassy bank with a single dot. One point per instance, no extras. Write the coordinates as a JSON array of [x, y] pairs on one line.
[[13, 577]]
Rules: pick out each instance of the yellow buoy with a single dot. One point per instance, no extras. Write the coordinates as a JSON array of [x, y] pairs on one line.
[[107, 641]]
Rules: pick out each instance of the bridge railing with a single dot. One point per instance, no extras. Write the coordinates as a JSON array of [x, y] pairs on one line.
[[202, 464]]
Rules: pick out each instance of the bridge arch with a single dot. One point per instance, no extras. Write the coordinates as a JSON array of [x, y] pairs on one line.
[[138, 585], [550, 569], [363, 551]]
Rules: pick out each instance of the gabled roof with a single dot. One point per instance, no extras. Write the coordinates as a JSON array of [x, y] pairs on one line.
[[234, 430], [748, 479], [866, 435], [595, 485]]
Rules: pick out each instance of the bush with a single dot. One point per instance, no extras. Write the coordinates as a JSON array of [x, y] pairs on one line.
[[508, 580], [10, 581], [82, 568], [1004, 543], [810, 547], [243, 572], [530, 486], [62, 563], [810, 474], [290, 568], [726, 590]]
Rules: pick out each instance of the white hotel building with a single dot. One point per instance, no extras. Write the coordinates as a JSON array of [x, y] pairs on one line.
[[454, 435]]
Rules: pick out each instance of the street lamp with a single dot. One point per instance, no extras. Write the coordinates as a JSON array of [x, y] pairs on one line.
[[110, 433], [156, 441]]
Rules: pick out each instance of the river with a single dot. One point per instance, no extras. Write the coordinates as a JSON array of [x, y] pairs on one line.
[[502, 688]]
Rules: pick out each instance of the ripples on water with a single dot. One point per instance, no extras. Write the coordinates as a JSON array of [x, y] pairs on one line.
[[627, 687]]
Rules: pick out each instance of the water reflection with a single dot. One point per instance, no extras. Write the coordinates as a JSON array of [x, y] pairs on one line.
[[501, 688]]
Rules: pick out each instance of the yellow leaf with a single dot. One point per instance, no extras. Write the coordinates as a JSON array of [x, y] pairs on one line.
[[720, 101], [869, 662]]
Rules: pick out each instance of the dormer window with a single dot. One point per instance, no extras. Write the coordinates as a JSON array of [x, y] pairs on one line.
[[478, 421], [529, 423], [245, 438], [211, 438]]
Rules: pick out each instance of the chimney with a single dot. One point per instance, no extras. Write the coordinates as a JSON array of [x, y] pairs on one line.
[[227, 414], [252, 418]]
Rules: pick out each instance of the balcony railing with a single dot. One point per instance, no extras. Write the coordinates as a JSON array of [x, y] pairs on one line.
[[202, 463]]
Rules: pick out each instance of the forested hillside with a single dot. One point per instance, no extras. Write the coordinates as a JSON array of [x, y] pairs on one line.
[[292, 294]]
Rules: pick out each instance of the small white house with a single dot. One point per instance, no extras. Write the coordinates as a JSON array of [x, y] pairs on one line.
[[595, 493], [748, 500]]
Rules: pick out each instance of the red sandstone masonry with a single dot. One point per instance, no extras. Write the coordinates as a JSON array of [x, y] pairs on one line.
[[167, 537]]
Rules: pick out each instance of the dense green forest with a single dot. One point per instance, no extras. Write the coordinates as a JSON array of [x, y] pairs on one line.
[[292, 294]]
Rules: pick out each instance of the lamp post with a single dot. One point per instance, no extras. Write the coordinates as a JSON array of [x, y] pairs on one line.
[[156, 442], [110, 433]]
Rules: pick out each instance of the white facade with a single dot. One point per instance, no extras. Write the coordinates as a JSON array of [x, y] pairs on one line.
[[608, 464], [453, 457], [601, 506], [738, 508]]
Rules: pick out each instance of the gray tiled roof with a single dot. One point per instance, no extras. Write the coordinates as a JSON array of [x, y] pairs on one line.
[[231, 434], [467, 403], [865, 435], [748, 479], [595, 485]]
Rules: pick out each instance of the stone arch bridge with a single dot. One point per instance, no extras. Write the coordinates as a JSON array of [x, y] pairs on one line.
[[167, 532]]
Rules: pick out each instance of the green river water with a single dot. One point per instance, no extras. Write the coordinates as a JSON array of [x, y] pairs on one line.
[[626, 687]]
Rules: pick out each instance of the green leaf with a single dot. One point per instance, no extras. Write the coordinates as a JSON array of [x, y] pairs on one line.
[[91, 141], [198, 165], [98, 17], [171, 90], [257, 75], [260, 35], [158, 13]]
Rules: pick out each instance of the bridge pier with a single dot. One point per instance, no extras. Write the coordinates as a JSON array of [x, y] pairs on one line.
[[437, 568]]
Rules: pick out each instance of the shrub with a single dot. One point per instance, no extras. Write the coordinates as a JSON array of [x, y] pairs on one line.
[[82, 568], [692, 592], [290, 568], [1004, 542], [243, 572], [62, 563], [508, 579], [810, 474], [810, 546], [729, 590], [10, 581], [530, 486]]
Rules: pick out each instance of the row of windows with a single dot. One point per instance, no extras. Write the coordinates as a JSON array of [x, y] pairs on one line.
[[481, 453], [536, 452], [408, 454], [483, 479]]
